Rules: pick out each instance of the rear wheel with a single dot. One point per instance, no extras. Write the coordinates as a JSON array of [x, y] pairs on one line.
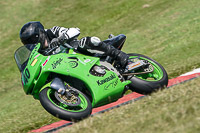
[[76, 107], [147, 82]]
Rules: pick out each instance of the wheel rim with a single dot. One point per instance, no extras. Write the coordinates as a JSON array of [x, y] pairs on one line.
[[157, 73], [78, 108]]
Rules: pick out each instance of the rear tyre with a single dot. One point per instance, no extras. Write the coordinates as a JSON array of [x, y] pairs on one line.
[[56, 104], [149, 82]]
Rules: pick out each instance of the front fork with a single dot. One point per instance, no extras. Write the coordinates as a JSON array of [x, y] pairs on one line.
[[58, 85]]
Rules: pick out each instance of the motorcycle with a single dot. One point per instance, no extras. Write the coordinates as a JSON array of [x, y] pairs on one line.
[[69, 84]]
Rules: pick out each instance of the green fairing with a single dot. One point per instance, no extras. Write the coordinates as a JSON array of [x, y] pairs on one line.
[[35, 76]]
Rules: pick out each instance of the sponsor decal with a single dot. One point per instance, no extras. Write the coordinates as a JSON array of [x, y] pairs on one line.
[[34, 62], [46, 61], [36, 56], [92, 61], [87, 60], [133, 65], [26, 76], [101, 82], [113, 84], [82, 62], [56, 63], [73, 64]]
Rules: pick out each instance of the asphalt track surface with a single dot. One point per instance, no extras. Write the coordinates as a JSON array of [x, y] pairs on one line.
[[122, 101]]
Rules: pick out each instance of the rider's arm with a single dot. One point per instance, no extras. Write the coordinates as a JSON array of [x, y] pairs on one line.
[[69, 33]]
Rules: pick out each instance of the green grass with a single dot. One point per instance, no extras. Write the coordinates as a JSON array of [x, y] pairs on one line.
[[166, 30], [174, 110]]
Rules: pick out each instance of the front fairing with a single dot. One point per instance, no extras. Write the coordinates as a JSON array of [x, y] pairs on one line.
[[28, 61]]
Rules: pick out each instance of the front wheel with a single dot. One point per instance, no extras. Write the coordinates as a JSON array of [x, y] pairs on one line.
[[146, 83], [75, 108]]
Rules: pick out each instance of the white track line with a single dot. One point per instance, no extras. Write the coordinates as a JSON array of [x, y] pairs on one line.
[[192, 72]]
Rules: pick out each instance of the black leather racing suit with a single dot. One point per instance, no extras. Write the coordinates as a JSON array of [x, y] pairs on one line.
[[91, 45]]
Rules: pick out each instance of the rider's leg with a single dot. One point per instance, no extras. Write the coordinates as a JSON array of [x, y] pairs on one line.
[[116, 41], [114, 53], [93, 45]]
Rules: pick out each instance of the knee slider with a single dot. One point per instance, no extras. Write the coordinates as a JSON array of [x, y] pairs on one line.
[[95, 41]]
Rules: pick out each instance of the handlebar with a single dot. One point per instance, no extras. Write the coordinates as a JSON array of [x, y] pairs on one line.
[[48, 52]]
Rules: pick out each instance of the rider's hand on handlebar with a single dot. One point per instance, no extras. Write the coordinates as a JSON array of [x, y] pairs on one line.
[[54, 43]]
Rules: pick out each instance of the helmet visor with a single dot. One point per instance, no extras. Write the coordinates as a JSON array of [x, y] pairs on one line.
[[31, 40]]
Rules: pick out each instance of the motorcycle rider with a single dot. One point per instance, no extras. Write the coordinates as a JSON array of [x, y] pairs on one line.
[[34, 32]]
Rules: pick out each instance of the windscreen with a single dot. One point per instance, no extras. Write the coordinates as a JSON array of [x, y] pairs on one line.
[[22, 55]]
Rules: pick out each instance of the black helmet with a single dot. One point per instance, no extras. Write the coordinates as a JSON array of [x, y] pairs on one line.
[[32, 32]]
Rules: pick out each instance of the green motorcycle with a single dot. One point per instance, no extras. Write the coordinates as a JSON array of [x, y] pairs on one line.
[[70, 84]]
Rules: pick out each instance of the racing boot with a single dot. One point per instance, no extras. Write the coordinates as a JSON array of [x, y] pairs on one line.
[[123, 59], [114, 53]]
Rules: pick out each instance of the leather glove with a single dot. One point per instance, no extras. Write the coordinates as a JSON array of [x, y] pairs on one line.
[[62, 39], [54, 43]]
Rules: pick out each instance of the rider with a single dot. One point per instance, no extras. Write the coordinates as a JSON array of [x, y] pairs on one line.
[[34, 32]]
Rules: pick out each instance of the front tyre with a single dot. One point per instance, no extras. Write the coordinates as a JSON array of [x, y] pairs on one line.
[[77, 108], [149, 82]]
